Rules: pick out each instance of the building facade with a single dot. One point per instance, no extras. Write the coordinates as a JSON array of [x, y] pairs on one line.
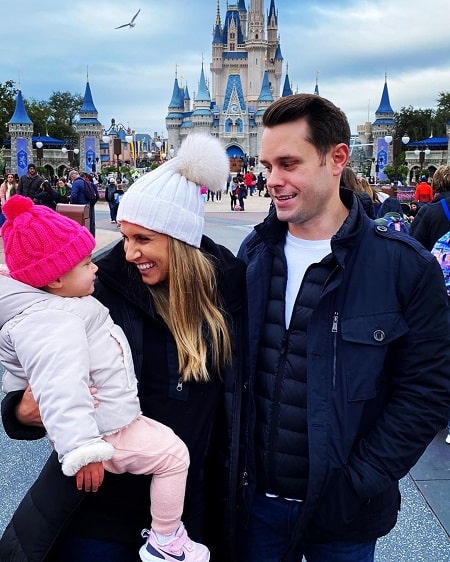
[[246, 77]]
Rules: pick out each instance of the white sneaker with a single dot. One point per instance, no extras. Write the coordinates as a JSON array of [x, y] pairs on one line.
[[179, 549], [447, 439]]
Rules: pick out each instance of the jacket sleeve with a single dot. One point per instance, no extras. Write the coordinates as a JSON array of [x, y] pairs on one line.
[[419, 385], [59, 378], [420, 230], [13, 428]]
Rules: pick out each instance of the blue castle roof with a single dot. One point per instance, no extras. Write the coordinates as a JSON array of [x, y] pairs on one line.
[[20, 116]]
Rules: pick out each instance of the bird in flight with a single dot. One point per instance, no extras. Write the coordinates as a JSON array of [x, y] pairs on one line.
[[131, 23]]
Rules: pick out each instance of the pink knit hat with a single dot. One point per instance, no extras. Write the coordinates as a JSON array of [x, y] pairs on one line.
[[39, 244]]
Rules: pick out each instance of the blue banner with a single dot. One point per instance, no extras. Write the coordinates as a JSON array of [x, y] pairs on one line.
[[89, 145], [22, 156]]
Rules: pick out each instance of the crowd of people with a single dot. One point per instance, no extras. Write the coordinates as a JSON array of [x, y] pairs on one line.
[[302, 400]]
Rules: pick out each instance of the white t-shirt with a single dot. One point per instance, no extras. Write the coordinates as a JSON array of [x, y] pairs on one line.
[[300, 254]]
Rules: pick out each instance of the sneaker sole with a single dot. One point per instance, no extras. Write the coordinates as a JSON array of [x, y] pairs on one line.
[[146, 557]]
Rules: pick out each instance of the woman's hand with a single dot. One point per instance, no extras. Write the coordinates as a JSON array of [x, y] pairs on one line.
[[27, 410]]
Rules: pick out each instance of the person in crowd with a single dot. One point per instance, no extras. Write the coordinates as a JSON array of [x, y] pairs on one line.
[[110, 192], [63, 189], [47, 196], [260, 183], [424, 191], [7, 189], [30, 182], [374, 196], [234, 192], [345, 391], [49, 262], [350, 181], [430, 222], [178, 298], [390, 205], [84, 192], [250, 181], [413, 210]]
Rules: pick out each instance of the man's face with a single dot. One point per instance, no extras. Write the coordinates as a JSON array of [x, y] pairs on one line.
[[303, 184], [32, 171]]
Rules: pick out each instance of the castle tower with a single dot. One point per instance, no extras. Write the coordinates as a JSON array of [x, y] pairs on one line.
[[202, 116], [383, 125], [20, 128], [246, 55], [90, 130]]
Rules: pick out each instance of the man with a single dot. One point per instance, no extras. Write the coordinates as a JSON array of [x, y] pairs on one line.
[[424, 192], [30, 182], [347, 387], [84, 192]]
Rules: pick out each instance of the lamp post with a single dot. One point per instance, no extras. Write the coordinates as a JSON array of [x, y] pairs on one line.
[[40, 151], [421, 153], [397, 145], [130, 140], [71, 152]]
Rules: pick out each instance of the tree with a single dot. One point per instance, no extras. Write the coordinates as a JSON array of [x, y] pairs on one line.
[[39, 113], [64, 106], [8, 95], [418, 123], [442, 115]]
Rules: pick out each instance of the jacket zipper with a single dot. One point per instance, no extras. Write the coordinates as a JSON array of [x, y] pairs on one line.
[[334, 330]]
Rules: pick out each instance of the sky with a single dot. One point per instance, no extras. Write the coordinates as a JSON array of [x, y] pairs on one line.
[[349, 45]]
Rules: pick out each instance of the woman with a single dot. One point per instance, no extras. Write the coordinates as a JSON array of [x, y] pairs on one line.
[[63, 190], [178, 298], [47, 196], [350, 181], [7, 189]]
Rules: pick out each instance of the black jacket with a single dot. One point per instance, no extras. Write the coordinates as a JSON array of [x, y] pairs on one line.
[[431, 222], [120, 509], [377, 362], [29, 185]]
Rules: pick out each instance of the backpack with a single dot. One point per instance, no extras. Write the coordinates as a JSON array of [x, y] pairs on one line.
[[394, 221], [441, 249], [90, 192]]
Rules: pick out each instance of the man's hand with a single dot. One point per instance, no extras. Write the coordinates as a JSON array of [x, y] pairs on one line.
[[90, 476], [27, 410]]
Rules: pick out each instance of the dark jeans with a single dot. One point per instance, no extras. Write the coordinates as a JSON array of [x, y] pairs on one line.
[[113, 206], [272, 523]]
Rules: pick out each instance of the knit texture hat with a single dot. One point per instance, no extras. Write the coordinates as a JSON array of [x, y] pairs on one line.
[[168, 200], [39, 244]]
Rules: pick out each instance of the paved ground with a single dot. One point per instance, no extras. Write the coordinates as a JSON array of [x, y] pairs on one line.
[[423, 530]]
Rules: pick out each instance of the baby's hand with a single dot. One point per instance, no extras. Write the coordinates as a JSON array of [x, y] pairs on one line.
[[90, 476]]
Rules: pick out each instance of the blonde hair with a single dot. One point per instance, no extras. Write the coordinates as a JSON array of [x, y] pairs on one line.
[[190, 308], [365, 186], [441, 179]]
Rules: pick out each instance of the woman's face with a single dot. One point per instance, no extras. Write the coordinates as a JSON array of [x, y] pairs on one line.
[[148, 251], [10, 178]]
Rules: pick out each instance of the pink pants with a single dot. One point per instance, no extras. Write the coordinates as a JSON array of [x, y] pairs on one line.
[[149, 447]]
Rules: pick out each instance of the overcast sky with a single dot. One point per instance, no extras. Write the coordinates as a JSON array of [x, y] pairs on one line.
[[50, 45]]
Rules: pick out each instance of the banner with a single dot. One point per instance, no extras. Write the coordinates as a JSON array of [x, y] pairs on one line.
[[89, 145], [22, 156]]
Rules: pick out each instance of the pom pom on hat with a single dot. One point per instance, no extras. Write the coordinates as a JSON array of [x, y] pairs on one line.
[[39, 244], [168, 199]]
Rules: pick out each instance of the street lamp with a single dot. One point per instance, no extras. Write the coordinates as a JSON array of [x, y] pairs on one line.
[[70, 153], [420, 153], [130, 140], [40, 151], [396, 149]]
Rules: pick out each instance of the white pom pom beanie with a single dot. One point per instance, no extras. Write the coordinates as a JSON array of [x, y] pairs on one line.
[[168, 199]]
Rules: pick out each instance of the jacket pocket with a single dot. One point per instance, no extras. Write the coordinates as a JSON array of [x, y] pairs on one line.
[[366, 340]]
